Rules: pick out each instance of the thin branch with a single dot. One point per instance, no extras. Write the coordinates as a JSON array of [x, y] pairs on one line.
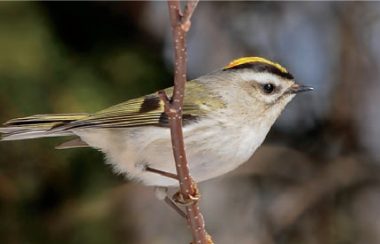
[[180, 24], [188, 13]]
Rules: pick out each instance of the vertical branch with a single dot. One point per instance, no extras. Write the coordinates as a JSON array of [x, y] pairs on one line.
[[180, 24]]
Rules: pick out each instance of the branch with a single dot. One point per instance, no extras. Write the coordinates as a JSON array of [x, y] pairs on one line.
[[189, 10], [180, 23]]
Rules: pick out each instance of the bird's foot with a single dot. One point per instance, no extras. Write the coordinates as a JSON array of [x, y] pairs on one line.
[[162, 194], [189, 199]]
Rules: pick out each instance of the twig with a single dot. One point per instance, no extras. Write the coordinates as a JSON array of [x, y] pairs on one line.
[[180, 23], [188, 12]]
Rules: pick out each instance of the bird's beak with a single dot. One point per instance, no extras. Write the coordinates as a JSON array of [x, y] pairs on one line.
[[296, 88]]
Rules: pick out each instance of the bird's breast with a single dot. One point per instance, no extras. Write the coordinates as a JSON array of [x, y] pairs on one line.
[[213, 147], [220, 147]]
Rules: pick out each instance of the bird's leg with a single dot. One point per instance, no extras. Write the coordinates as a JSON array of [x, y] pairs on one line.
[[160, 172], [162, 194]]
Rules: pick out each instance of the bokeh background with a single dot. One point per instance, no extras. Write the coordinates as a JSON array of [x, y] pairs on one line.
[[315, 180]]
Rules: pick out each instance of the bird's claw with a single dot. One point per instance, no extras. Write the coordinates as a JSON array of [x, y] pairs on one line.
[[189, 200]]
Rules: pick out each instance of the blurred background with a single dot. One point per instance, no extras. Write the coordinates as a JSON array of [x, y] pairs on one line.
[[315, 180]]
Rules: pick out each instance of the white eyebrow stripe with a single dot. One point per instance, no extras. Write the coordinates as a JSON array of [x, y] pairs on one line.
[[261, 78]]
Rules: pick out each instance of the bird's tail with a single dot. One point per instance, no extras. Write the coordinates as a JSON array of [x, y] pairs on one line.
[[36, 126]]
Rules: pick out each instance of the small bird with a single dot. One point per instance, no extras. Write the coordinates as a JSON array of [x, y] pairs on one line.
[[226, 116]]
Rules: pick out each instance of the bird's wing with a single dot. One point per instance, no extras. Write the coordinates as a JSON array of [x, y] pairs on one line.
[[74, 143], [149, 110]]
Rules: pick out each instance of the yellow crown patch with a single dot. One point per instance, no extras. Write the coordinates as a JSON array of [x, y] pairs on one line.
[[247, 60]]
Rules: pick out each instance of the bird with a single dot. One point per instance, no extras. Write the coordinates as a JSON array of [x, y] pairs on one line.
[[226, 116]]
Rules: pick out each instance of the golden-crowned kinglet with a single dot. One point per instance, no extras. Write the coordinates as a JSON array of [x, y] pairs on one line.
[[226, 116]]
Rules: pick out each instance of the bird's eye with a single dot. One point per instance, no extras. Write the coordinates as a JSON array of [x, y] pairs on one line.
[[268, 88]]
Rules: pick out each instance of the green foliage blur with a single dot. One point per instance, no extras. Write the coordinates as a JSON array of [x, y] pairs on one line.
[[49, 65]]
